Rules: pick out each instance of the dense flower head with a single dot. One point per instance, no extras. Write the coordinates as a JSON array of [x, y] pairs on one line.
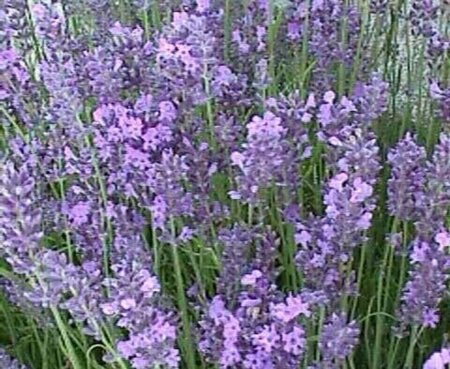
[[339, 117], [166, 181], [379, 6], [19, 92], [325, 41], [423, 14], [50, 22], [189, 56], [418, 187], [426, 285], [151, 331], [261, 330], [407, 178], [253, 325], [20, 218], [338, 340], [264, 160], [434, 204], [119, 65]]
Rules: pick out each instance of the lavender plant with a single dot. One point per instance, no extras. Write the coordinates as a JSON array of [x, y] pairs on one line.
[[219, 184]]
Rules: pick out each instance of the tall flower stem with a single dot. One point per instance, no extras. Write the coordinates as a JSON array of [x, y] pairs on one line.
[[380, 301], [182, 303], [75, 361]]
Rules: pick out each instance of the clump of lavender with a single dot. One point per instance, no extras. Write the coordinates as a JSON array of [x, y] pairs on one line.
[[47, 275], [117, 134], [151, 332], [134, 301], [258, 326], [429, 260], [328, 242], [427, 281], [119, 67]]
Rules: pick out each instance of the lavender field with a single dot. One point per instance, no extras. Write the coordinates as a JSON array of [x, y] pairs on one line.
[[224, 184]]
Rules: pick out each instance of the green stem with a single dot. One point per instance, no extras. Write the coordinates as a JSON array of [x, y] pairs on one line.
[[319, 329], [182, 304], [379, 326], [67, 341], [415, 333], [156, 14], [209, 107], [359, 278]]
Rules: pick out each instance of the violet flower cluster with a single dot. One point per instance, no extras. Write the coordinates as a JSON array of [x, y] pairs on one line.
[[420, 194], [147, 147], [255, 325]]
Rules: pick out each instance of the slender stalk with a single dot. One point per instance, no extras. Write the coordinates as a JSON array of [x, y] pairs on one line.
[[415, 334], [381, 302], [361, 266], [341, 68], [72, 356], [304, 55], [182, 304], [209, 106], [156, 14], [146, 23]]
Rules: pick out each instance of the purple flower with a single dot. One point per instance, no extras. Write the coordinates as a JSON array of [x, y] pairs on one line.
[[442, 96], [327, 242], [290, 310], [338, 340], [438, 360], [259, 326], [405, 187], [294, 341], [263, 161], [425, 287], [7, 361], [361, 191]]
